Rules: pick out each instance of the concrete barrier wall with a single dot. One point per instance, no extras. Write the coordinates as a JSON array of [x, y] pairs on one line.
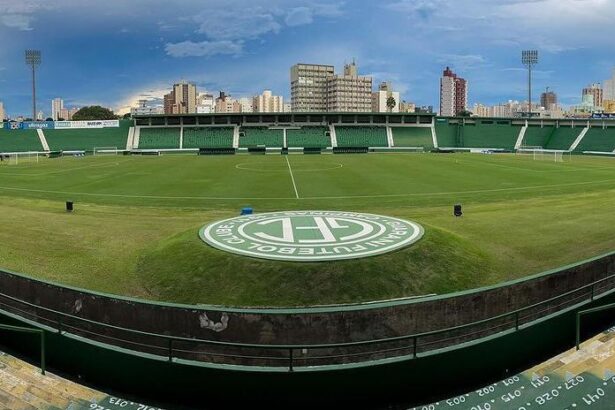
[[319, 325]]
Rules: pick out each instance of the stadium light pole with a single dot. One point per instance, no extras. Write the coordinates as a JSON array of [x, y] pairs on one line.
[[529, 58], [33, 59]]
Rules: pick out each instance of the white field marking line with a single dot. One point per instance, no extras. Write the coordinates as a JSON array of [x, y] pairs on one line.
[[291, 176], [61, 171], [517, 168], [421, 194], [244, 168]]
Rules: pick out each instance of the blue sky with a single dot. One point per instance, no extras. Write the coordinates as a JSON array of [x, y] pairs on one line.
[[113, 52]]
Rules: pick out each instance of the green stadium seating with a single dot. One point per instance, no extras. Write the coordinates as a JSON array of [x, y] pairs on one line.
[[412, 137], [598, 139], [562, 138], [536, 136], [491, 136], [361, 137], [446, 134], [87, 139], [310, 137], [253, 137], [212, 137], [159, 138], [19, 141]]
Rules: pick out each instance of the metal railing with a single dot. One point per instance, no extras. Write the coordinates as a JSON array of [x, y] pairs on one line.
[[292, 356], [40, 332], [582, 313]]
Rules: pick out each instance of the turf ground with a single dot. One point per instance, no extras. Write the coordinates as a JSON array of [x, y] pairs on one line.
[[134, 231]]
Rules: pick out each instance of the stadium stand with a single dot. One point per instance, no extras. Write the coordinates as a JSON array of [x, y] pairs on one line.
[[573, 379], [361, 136], [598, 139], [412, 137], [310, 137], [446, 134], [562, 138], [22, 386], [252, 137], [491, 136], [19, 141], [537, 136], [88, 139], [152, 138], [212, 137]]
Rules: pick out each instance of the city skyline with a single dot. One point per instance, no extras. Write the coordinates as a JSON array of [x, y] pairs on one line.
[[115, 54]]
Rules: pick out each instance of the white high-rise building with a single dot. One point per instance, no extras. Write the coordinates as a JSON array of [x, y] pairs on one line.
[[2, 113], [349, 92], [381, 97], [267, 102], [205, 104], [246, 104], [57, 105], [609, 88]]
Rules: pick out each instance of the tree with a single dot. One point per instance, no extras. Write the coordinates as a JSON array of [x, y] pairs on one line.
[[126, 116], [49, 119], [94, 112], [464, 113], [391, 103]]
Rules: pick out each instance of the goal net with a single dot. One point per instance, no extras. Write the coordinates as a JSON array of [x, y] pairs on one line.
[[538, 153], [16, 158], [105, 150]]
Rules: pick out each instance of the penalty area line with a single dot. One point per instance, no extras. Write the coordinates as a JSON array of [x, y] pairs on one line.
[[292, 178]]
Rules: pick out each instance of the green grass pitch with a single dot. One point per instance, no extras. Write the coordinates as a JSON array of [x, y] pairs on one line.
[[135, 228]]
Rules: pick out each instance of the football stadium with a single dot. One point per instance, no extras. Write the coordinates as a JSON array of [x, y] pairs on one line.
[[308, 259]]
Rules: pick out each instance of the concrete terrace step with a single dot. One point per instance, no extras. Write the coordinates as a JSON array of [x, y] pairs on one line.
[[22, 386], [583, 379]]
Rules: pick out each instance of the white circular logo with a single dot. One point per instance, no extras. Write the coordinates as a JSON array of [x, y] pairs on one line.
[[311, 236]]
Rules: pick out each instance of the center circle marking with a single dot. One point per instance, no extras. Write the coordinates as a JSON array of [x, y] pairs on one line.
[[311, 236]]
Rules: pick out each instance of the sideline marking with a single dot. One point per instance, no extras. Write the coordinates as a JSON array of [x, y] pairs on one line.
[[292, 177], [421, 194]]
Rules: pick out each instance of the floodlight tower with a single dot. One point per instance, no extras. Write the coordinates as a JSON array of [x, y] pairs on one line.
[[33, 59], [529, 58]]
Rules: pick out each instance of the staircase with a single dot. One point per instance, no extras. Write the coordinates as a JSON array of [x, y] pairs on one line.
[[236, 136], [521, 136], [390, 141], [434, 137], [579, 139], [130, 139], [333, 136], [135, 137], [41, 136]]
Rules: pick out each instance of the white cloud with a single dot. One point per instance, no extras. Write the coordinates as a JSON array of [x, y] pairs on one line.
[[19, 21], [299, 16], [203, 48], [232, 24]]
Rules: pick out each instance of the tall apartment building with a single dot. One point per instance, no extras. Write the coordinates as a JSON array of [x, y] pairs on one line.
[[57, 105], [267, 102], [181, 100], [349, 92], [308, 87], [453, 94], [548, 100], [609, 88], [2, 113], [225, 104], [381, 97], [595, 90]]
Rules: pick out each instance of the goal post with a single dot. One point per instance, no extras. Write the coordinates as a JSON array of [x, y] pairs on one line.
[[539, 153], [105, 151], [16, 158]]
